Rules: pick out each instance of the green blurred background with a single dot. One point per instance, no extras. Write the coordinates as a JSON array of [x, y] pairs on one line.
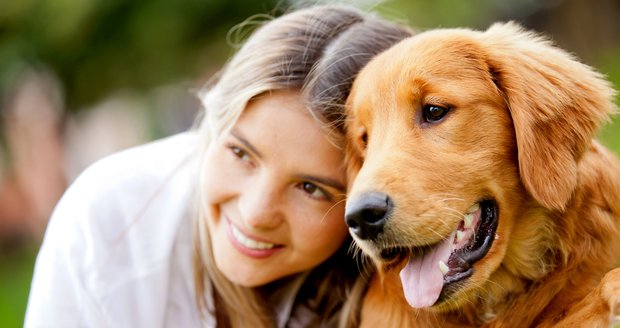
[[80, 79]]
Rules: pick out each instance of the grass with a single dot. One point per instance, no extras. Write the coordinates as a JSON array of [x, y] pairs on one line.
[[16, 268]]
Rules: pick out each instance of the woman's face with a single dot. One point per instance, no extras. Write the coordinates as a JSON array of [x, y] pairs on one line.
[[275, 188]]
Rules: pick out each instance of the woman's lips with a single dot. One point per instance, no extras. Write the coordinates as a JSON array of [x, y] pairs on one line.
[[250, 246]]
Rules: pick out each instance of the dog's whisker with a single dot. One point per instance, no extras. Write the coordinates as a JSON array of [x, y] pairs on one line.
[[437, 233], [446, 197], [331, 208], [454, 211]]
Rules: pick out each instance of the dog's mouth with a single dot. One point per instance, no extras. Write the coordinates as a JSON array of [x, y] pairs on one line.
[[432, 273]]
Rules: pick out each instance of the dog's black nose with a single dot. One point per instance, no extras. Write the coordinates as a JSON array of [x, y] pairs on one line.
[[367, 215]]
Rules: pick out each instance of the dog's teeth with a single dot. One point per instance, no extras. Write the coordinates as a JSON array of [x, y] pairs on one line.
[[496, 236], [460, 235], [474, 208], [443, 267], [468, 218]]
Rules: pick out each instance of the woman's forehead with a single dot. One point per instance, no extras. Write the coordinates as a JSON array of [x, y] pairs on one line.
[[280, 126]]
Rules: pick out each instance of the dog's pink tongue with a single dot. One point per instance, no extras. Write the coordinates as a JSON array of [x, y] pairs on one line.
[[421, 278]]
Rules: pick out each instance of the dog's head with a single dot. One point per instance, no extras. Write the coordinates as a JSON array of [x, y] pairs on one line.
[[452, 135]]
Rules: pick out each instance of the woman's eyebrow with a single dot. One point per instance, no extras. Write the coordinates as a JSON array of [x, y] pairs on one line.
[[324, 180], [245, 142]]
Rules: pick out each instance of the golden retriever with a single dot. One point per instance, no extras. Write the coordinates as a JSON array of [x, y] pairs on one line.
[[477, 187]]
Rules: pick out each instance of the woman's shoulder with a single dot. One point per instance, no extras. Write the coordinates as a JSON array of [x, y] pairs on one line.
[[121, 234], [134, 172], [129, 198], [148, 161]]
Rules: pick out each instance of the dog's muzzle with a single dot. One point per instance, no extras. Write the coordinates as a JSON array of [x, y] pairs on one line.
[[367, 214]]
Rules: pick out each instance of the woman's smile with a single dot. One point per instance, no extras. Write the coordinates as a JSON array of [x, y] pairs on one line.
[[251, 246]]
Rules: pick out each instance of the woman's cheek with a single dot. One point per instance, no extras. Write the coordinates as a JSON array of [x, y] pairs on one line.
[[324, 231]]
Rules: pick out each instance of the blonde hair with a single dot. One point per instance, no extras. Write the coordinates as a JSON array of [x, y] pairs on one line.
[[317, 51]]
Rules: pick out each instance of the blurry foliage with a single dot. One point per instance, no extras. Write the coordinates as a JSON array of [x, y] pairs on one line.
[[96, 46], [610, 65], [16, 269]]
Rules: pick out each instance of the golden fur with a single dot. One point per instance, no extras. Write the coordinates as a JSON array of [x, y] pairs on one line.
[[520, 129]]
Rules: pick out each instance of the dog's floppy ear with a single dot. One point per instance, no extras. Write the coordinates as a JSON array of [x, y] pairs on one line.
[[556, 104]]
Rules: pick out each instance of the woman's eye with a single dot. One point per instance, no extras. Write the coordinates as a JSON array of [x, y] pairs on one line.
[[314, 191], [434, 113], [240, 153]]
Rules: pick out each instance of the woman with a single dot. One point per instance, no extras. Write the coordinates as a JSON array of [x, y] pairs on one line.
[[260, 187]]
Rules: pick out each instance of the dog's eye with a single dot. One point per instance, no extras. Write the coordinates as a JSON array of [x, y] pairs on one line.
[[364, 137], [434, 113]]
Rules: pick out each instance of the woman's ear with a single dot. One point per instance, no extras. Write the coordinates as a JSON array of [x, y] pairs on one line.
[[556, 104]]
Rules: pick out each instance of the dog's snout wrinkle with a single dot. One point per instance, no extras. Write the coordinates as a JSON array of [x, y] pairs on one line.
[[367, 215]]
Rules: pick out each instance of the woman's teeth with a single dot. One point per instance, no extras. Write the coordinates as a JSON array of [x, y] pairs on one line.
[[248, 242]]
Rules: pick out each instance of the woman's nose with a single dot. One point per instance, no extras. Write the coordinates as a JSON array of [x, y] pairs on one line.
[[260, 205]]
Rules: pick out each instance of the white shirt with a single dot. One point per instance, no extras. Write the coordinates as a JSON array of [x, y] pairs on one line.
[[118, 248]]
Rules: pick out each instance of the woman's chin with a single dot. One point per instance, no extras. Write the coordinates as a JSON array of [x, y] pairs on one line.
[[237, 269]]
